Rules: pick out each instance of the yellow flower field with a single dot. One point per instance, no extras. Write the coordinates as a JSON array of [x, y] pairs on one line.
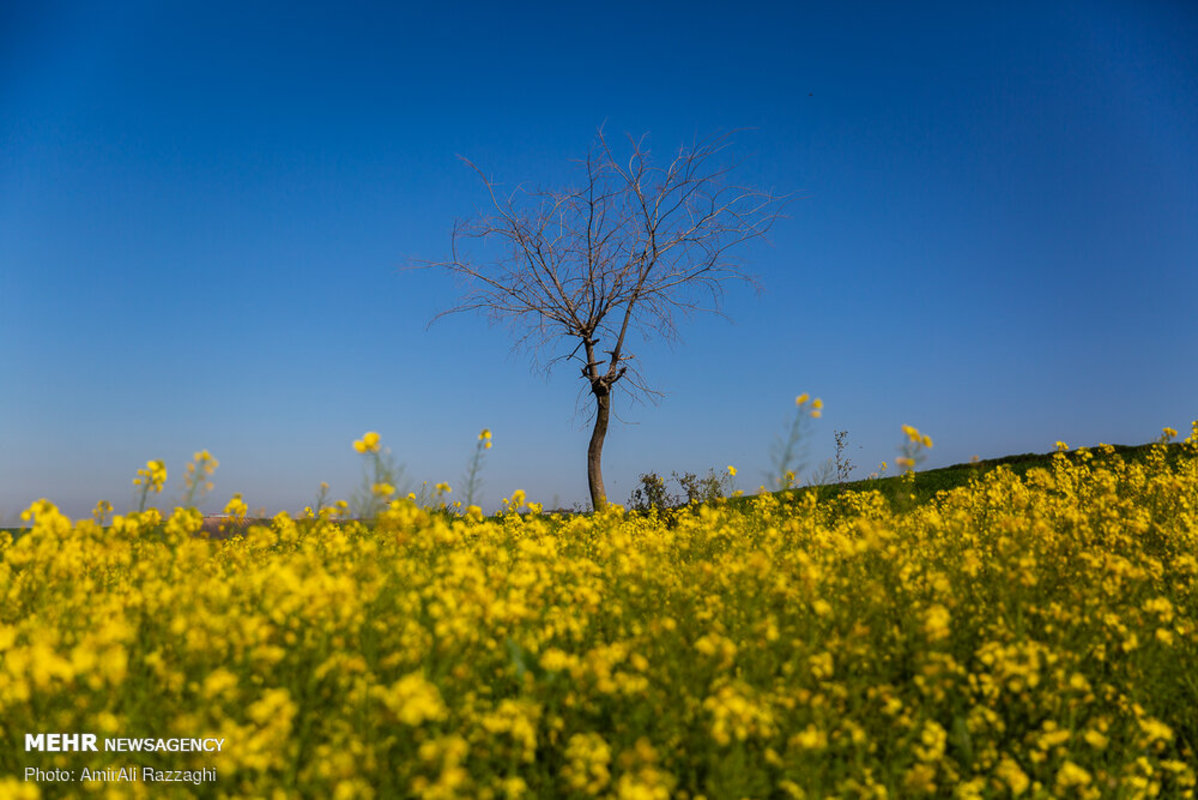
[[1022, 637]]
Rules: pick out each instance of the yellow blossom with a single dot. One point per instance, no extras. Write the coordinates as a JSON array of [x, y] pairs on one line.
[[1071, 775], [936, 622], [369, 443], [1016, 779], [152, 476], [236, 507]]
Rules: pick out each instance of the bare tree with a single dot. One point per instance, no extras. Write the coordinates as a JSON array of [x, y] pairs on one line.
[[631, 246]]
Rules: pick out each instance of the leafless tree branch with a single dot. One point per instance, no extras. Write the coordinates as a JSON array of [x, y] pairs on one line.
[[631, 247]]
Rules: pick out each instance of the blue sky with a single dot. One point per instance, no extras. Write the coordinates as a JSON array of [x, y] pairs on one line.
[[204, 209]]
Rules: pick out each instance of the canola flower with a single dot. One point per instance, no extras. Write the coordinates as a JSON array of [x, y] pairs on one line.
[[101, 512], [381, 479], [1023, 636], [153, 475], [150, 478], [369, 443], [472, 480], [913, 449], [787, 452], [197, 478], [236, 507]]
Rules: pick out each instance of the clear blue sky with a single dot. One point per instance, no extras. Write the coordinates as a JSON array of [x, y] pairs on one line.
[[204, 208]]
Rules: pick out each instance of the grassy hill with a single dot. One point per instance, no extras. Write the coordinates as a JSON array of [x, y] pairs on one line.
[[929, 482]]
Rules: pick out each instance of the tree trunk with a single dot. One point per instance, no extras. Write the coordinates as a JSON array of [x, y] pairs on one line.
[[595, 451]]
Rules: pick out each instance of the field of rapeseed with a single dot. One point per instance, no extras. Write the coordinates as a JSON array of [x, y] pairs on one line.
[[1027, 637]]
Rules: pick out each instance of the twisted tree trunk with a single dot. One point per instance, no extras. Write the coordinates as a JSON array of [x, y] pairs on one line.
[[595, 450]]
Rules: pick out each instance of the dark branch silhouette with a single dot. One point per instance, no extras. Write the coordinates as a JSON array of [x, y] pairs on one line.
[[631, 247]]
